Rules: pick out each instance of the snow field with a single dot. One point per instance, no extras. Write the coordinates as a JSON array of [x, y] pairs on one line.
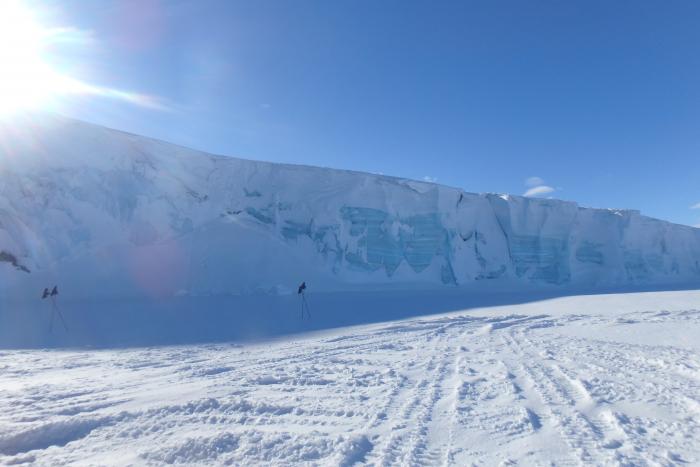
[[587, 380]]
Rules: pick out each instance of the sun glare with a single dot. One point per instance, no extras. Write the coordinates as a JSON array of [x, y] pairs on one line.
[[28, 81], [25, 79]]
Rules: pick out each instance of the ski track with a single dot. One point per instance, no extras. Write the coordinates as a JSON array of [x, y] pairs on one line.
[[455, 389]]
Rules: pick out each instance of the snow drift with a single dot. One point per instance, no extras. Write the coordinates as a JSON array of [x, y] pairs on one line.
[[104, 213]]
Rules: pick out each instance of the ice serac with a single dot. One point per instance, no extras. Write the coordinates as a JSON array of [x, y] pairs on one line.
[[106, 213]]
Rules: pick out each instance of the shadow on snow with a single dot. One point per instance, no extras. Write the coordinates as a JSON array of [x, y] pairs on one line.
[[189, 320]]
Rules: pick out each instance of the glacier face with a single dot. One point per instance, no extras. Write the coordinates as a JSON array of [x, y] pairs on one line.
[[106, 213]]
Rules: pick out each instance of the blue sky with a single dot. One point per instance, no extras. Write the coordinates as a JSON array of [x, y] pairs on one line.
[[596, 102]]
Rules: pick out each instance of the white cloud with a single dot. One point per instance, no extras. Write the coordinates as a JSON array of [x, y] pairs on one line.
[[695, 206], [533, 181], [536, 187], [539, 190], [430, 179], [73, 86]]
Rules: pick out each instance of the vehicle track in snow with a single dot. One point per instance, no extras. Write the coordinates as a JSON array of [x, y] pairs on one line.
[[535, 387]]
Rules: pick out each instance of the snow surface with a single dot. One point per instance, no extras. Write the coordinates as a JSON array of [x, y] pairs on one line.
[[106, 214], [594, 379]]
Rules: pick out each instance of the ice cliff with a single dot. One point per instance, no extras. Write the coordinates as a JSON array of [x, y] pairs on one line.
[[106, 213]]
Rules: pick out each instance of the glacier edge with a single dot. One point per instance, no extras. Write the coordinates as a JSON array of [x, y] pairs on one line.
[[109, 213]]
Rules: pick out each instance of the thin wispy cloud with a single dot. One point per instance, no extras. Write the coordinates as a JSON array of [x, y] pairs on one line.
[[539, 190], [69, 34], [142, 100], [533, 181], [430, 179], [68, 85], [536, 187]]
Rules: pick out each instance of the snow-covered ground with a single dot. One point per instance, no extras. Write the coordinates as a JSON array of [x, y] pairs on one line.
[[597, 379]]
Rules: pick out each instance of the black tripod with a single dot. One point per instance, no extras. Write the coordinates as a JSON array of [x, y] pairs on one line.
[[54, 310], [304, 306]]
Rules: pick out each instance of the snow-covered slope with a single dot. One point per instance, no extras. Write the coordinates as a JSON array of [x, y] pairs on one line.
[[105, 213], [596, 380]]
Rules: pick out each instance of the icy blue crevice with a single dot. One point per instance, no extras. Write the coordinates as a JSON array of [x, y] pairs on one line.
[[654, 261], [127, 191], [640, 266], [363, 219], [263, 215], [492, 274], [327, 243], [543, 258], [377, 248], [282, 206], [115, 191], [479, 240], [382, 249], [589, 252], [358, 263], [635, 265], [479, 258], [252, 194], [324, 237], [292, 230], [200, 197], [420, 239], [425, 239], [500, 209]]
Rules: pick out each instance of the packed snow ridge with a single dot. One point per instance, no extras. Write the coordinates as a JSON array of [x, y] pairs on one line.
[[107, 213]]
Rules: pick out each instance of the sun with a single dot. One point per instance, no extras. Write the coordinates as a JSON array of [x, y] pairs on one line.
[[26, 80]]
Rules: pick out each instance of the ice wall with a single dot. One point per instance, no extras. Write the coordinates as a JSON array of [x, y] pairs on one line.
[[108, 213]]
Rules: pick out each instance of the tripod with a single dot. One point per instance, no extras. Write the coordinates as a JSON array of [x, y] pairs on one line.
[[54, 310], [304, 307]]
